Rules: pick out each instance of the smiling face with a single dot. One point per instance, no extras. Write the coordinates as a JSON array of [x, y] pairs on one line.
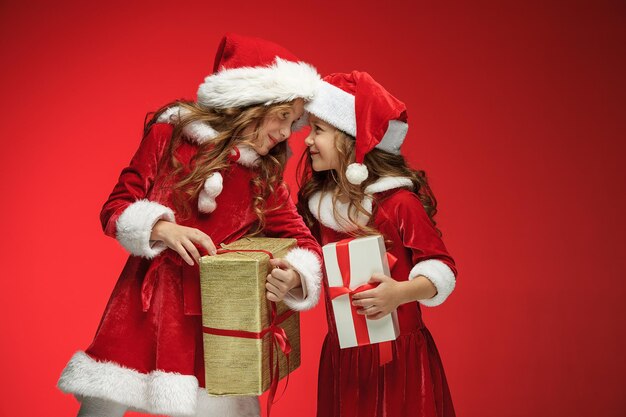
[[321, 144], [274, 128]]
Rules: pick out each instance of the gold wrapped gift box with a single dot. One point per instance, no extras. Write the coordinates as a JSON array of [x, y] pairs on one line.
[[233, 299]]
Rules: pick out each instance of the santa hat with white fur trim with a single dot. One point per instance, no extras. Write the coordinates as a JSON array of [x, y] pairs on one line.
[[249, 71], [356, 104]]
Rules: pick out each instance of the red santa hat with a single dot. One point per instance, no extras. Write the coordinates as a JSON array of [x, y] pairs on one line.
[[249, 71], [356, 104]]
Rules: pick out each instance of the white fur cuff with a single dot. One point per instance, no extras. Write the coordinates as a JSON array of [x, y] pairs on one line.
[[440, 275], [156, 393], [309, 267], [135, 224]]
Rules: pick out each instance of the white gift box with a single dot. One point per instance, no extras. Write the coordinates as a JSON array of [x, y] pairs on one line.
[[357, 260]]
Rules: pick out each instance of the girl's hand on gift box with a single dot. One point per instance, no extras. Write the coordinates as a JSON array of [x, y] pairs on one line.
[[182, 239], [281, 280], [389, 294], [380, 301]]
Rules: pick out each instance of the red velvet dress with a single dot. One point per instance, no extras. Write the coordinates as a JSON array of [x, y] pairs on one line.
[[147, 352], [351, 382]]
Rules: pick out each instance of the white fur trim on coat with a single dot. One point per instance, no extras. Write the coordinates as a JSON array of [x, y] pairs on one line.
[[198, 131], [213, 186], [440, 275], [156, 393], [321, 205], [280, 82], [135, 224], [309, 267], [248, 156]]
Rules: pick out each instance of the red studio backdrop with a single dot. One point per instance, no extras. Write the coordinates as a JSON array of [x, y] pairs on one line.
[[516, 112]]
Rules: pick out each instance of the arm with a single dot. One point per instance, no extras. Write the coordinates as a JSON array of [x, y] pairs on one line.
[[432, 278], [285, 222], [146, 228], [127, 215], [431, 260]]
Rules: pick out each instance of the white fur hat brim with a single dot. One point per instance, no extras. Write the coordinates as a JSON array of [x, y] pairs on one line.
[[282, 81]]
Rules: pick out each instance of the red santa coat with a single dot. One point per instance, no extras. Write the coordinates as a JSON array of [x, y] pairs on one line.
[[147, 352], [351, 382]]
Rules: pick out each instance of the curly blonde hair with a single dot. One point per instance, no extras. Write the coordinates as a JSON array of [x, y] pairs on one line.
[[187, 180], [379, 164]]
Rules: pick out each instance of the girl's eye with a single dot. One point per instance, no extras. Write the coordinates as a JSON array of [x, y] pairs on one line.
[[284, 115]]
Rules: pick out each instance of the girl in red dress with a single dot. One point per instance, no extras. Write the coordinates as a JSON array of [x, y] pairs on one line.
[[205, 173], [354, 182]]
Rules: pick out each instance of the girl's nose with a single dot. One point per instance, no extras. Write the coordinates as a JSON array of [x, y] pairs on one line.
[[285, 133], [308, 141]]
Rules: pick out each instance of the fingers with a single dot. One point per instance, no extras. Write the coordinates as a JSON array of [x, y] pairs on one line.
[[191, 249], [373, 312], [364, 302], [203, 240], [274, 292], [180, 249], [378, 277], [377, 316], [272, 297], [369, 310], [183, 241], [280, 275], [277, 284], [365, 294], [280, 263]]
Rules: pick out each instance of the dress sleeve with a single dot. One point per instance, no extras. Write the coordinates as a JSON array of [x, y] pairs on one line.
[[428, 252], [282, 220], [127, 215]]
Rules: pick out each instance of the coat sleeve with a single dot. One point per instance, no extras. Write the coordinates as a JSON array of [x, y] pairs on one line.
[[428, 252], [127, 215], [282, 220]]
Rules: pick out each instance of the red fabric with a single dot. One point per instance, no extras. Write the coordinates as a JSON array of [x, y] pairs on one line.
[[373, 105], [351, 382], [236, 51], [391, 260], [335, 292], [152, 320]]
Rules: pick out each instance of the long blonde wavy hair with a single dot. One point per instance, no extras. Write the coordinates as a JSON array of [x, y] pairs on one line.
[[187, 180], [379, 164]]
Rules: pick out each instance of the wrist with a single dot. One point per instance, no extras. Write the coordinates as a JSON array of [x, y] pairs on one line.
[[297, 280], [155, 233], [403, 291]]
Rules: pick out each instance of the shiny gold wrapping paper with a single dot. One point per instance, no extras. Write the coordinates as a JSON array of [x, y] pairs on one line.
[[233, 298]]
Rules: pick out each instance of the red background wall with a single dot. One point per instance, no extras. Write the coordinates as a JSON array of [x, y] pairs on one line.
[[516, 112]]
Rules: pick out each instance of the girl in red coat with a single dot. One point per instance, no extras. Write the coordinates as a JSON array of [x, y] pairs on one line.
[[354, 183], [205, 173]]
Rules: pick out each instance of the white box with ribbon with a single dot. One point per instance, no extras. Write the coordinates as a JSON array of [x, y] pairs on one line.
[[350, 264]]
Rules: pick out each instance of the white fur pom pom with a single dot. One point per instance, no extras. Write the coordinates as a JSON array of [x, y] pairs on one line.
[[356, 173], [212, 188]]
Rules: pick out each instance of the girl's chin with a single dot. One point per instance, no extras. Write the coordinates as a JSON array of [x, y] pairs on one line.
[[319, 167]]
